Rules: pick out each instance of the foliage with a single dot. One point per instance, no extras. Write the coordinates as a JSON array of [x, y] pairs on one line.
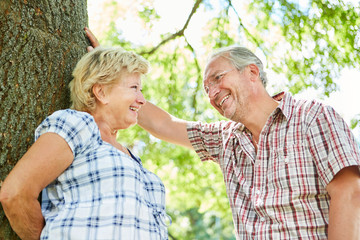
[[355, 122], [309, 43], [322, 36]]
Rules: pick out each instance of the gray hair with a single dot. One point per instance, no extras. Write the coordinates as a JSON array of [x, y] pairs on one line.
[[241, 57]]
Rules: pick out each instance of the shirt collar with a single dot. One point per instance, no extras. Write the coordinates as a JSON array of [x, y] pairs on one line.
[[285, 100], [285, 103]]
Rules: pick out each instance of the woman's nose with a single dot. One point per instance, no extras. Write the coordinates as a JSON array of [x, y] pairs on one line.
[[141, 99]]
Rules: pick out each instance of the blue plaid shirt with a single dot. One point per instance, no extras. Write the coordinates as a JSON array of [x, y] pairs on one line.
[[104, 193]]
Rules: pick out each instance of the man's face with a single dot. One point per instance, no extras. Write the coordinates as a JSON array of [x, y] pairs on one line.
[[227, 88]]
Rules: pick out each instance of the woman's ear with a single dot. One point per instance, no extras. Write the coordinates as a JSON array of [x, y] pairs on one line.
[[100, 93]]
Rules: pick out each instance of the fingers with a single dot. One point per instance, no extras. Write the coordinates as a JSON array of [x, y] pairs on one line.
[[89, 48], [93, 41]]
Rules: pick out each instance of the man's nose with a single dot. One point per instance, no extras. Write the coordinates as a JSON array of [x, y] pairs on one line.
[[213, 91]]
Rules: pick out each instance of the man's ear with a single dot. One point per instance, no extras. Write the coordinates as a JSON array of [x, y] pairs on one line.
[[100, 93], [254, 71]]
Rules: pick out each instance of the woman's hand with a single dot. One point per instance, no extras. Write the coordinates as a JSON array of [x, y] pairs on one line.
[[94, 42]]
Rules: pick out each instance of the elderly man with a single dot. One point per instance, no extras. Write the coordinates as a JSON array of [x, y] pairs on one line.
[[291, 167]]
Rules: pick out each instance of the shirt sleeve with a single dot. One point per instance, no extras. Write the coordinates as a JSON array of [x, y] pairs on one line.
[[332, 144], [206, 139], [78, 129]]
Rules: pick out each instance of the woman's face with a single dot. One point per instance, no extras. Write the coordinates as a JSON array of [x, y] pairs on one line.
[[124, 100]]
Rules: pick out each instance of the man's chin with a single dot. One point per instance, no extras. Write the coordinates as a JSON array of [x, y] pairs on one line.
[[228, 115]]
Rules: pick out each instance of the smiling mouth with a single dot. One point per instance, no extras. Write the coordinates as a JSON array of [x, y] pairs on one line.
[[134, 109], [223, 100]]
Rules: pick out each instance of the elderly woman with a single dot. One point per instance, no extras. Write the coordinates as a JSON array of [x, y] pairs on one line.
[[92, 186]]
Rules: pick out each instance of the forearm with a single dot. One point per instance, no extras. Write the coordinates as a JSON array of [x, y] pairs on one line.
[[344, 212], [162, 125], [25, 216], [344, 219], [151, 118]]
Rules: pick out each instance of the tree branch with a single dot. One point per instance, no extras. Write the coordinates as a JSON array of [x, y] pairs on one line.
[[242, 25], [199, 77], [247, 31], [178, 33]]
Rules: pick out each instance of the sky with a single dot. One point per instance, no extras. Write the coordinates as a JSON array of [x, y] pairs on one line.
[[345, 101]]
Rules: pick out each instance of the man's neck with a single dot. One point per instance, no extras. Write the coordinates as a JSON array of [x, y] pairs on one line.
[[256, 120]]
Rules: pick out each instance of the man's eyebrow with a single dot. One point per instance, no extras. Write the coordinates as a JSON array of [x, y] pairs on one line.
[[212, 75]]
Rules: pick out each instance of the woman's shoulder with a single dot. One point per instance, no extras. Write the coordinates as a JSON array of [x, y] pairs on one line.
[[71, 113], [68, 120], [72, 117], [77, 128]]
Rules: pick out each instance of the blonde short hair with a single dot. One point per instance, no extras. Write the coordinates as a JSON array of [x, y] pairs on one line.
[[103, 66]]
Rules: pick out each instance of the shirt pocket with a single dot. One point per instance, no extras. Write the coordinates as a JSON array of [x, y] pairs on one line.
[[291, 169]]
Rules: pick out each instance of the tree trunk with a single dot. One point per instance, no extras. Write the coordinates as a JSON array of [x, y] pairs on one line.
[[40, 43]]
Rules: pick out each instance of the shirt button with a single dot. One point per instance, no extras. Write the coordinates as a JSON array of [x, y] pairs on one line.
[[258, 202], [258, 192], [262, 219]]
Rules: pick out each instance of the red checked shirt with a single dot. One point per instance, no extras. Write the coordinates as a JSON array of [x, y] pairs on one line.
[[279, 192]]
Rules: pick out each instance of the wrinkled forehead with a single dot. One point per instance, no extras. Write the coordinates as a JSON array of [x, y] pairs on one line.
[[216, 65]]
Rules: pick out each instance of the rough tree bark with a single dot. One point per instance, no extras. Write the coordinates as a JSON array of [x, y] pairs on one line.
[[40, 43]]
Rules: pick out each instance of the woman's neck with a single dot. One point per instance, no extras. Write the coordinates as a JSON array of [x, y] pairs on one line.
[[107, 133]]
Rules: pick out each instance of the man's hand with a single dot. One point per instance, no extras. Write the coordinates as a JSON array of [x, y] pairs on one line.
[[94, 42]]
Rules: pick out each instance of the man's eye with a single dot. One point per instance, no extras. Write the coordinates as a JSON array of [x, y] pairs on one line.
[[218, 77], [206, 89]]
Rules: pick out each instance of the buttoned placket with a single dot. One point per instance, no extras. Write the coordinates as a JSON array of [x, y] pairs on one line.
[[260, 171]]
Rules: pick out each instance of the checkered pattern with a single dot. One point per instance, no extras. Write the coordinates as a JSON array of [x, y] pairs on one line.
[[280, 192], [104, 194]]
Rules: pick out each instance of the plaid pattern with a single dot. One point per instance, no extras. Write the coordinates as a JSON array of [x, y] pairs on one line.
[[280, 192], [104, 194]]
